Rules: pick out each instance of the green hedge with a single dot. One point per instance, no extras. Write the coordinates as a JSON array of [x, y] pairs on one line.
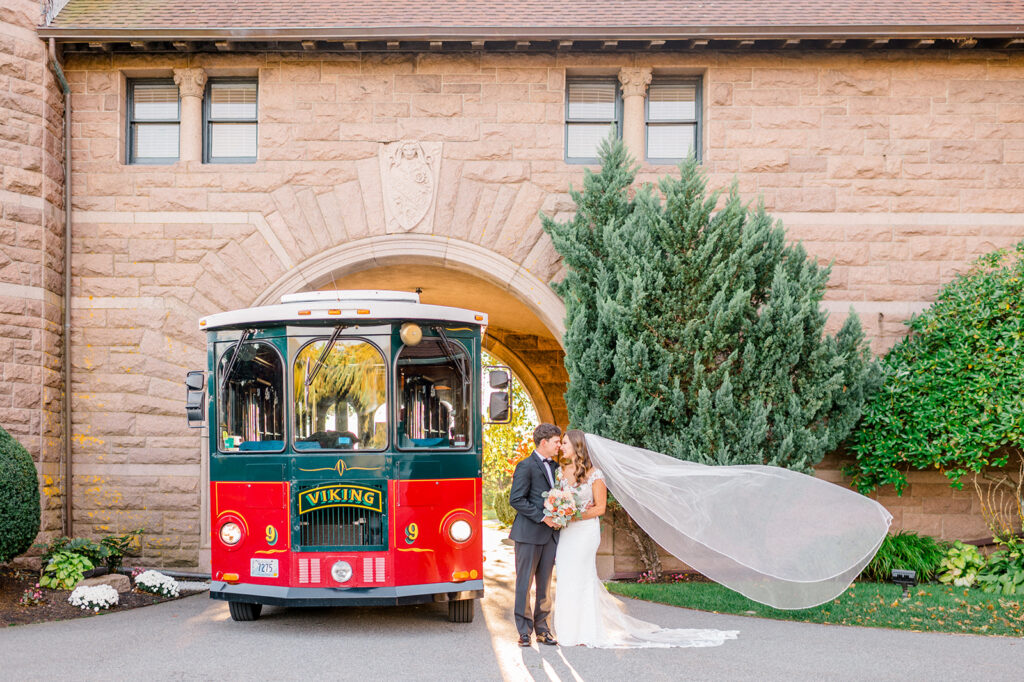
[[19, 498]]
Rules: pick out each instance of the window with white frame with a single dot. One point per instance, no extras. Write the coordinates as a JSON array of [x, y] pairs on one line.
[[593, 109], [673, 119], [154, 119], [230, 120]]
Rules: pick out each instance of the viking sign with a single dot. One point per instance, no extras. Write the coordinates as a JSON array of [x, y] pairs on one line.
[[339, 496], [409, 179]]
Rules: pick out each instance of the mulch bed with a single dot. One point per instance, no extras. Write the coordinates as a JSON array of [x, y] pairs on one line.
[[14, 582]]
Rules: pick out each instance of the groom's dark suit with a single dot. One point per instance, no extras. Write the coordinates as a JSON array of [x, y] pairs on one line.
[[535, 542]]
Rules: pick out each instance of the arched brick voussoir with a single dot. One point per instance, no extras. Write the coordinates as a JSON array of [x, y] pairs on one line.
[[474, 259]]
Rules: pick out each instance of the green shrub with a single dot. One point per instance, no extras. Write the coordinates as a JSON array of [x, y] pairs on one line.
[[90, 549], [1004, 571], [961, 564], [118, 546], [19, 498], [502, 508], [110, 550], [951, 396], [64, 571], [906, 550]]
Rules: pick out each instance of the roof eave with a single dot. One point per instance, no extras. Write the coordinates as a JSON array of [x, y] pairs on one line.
[[534, 33]]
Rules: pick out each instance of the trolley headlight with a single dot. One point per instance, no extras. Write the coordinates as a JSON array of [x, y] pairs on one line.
[[460, 531], [230, 533], [341, 571]]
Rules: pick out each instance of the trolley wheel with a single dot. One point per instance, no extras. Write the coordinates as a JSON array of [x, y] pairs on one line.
[[461, 610], [242, 611]]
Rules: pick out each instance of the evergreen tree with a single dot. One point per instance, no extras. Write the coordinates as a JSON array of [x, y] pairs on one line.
[[700, 334]]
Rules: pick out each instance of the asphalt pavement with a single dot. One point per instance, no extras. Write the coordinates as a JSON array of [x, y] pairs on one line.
[[195, 639]]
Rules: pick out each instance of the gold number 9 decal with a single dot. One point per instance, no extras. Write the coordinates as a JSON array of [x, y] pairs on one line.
[[412, 531], [271, 536]]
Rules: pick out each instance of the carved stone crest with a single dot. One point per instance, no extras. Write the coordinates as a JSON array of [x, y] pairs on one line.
[[408, 177]]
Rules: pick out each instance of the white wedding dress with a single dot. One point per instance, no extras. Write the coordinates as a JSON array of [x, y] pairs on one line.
[[585, 613]]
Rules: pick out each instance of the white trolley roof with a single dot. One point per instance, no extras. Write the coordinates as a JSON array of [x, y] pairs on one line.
[[360, 305]]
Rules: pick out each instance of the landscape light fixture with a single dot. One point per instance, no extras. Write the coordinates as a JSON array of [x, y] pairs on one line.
[[904, 578]]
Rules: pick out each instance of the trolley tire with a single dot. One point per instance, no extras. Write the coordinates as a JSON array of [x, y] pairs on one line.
[[461, 610], [242, 611]]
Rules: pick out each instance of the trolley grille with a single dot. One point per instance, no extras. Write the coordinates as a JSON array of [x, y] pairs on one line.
[[342, 527]]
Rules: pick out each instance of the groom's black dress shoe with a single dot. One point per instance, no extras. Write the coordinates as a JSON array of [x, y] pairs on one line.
[[524, 640], [546, 638]]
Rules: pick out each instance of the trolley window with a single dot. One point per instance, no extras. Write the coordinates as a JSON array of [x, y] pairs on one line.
[[250, 383], [340, 393], [435, 395]]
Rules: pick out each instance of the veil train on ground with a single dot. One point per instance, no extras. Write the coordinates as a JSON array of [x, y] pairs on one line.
[[777, 536]]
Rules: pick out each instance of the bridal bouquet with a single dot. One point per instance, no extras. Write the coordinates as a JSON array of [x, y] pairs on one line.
[[562, 506]]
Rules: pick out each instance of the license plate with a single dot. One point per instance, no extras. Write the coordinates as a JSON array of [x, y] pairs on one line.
[[263, 568]]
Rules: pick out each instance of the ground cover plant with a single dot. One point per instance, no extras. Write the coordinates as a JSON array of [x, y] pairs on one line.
[[22, 602], [931, 608]]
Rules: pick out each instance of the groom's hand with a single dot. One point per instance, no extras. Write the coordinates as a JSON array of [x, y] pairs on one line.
[[550, 522]]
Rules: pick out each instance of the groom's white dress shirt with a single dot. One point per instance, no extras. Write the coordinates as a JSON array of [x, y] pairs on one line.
[[547, 470]]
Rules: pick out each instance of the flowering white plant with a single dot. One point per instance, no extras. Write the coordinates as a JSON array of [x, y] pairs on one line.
[[94, 597], [157, 583]]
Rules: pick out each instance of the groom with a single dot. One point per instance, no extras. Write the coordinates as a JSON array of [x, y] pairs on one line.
[[534, 534]]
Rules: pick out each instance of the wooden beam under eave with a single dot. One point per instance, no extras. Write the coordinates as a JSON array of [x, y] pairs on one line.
[[965, 43], [436, 45], [610, 44], [138, 44], [101, 46], [394, 44], [181, 45], [834, 44], [224, 45], [880, 42], [565, 45], [308, 45]]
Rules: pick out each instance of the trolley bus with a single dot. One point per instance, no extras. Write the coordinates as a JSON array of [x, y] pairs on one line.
[[345, 437]]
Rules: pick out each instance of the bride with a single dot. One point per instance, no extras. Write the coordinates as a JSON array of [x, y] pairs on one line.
[[584, 611]]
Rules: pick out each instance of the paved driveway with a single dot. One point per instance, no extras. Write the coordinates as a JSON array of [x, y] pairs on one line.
[[195, 639]]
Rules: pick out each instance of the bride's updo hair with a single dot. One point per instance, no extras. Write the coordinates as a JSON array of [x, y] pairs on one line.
[[583, 463]]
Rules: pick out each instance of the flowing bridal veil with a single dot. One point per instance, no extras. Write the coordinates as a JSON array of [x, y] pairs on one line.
[[777, 536]]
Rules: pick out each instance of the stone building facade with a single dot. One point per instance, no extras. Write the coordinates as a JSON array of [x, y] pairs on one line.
[[898, 164], [31, 249]]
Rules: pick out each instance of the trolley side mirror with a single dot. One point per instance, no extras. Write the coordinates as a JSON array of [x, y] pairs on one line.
[[499, 408], [498, 411], [497, 378], [195, 399]]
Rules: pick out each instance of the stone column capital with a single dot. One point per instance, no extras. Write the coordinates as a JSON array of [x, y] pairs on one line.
[[190, 82], [635, 80]]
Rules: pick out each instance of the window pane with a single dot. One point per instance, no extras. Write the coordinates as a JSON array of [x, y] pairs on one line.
[[232, 100], [672, 102], [156, 140], [344, 407], [584, 138], [670, 141], [155, 101], [232, 140], [251, 405], [592, 100], [435, 395]]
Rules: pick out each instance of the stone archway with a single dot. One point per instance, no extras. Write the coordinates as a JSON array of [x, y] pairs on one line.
[[526, 318]]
